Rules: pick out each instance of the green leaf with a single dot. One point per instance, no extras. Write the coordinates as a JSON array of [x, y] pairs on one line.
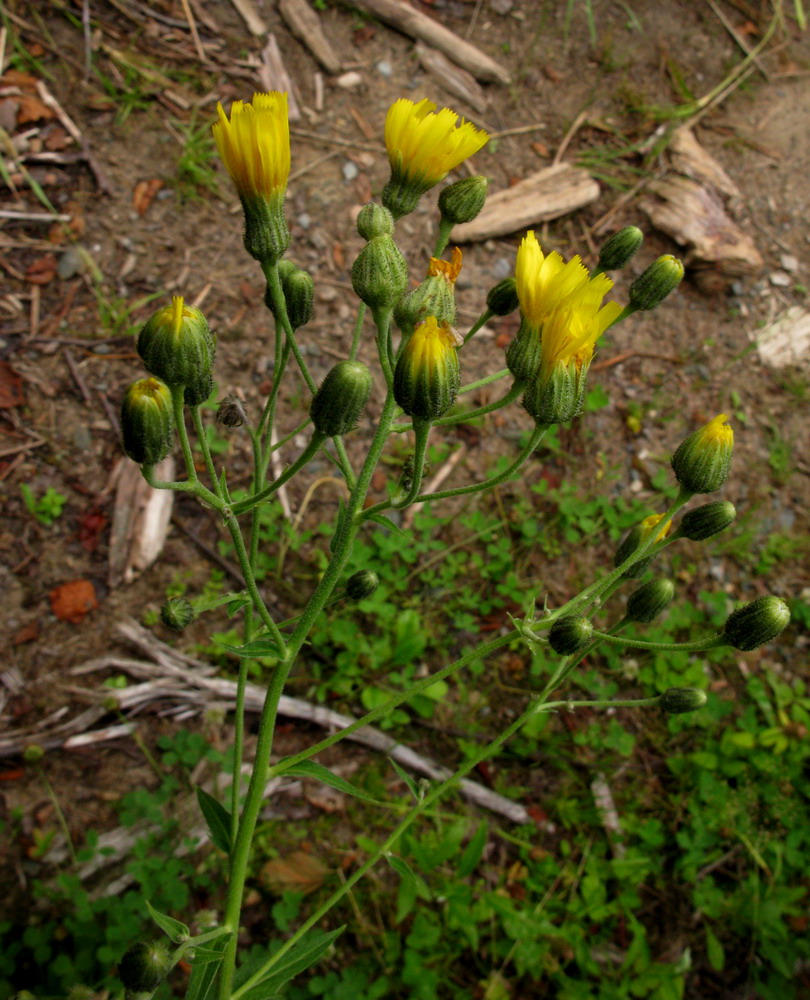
[[412, 787], [203, 973], [252, 650], [217, 819], [172, 928], [384, 521], [472, 852], [309, 769], [406, 897], [298, 959], [714, 951], [203, 956]]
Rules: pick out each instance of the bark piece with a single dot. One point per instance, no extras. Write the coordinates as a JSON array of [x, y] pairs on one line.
[[785, 343], [305, 24], [249, 13], [694, 202], [418, 25], [140, 521], [546, 194], [453, 78]]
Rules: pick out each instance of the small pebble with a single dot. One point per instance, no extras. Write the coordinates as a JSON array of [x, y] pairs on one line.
[[82, 439], [789, 263], [304, 220], [502, 268], [350, 80], [350, 170], [384, 68], [70, 264], [780, 279]]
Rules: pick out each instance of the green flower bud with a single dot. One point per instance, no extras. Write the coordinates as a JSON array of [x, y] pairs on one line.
[[557, 396], [462, 201], [569, 634], [702, 462], [299, 292], [374, 220], [647, 603], [177, 613], [342, 397], [147, 423], [178, 347], [707, 520], [426, 378], [652, 286], [523, 355], [677, 700], [634, 539], [380, 273], [619, 249], [434, 297], [33, 753], [144, 967], [756, 623], [362, 584], [502, 299], [267, 235]]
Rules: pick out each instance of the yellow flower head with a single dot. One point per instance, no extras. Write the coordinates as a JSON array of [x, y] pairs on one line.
[[650, 523], [571, 331], [447, 269], [255, 145], [545, 281], [427, 144], [717, 433]]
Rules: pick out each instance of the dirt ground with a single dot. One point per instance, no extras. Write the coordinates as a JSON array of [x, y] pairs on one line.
[[70, 300]]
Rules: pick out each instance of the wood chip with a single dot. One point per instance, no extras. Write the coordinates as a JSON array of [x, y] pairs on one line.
[[453, 78], [249, 13], [140, 521], [693, 203], [546, 194], [305, 24], [785, 343], [274, 76], [417, 25]]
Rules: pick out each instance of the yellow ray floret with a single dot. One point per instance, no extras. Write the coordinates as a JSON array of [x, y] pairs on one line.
[[255, 144], [571, 331], [716, 432], [425, 144], [448, 269], [545, 281], [649, 524], [430, 345]]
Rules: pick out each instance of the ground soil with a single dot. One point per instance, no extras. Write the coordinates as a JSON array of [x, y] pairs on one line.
[[690, 360]]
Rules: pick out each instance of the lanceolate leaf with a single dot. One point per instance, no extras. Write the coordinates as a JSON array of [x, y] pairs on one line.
[[309, 769], [173, 928], [204, 972], [298, 959], [217, 818]]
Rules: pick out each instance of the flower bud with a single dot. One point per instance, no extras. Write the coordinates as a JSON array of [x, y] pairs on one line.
[[362, 584], [33, 753], [618, 250], [756, 623], [557, 396], [677, 700], [524, 353], [147, 423], [426, 378], [502, 298], [178, 347], [299, 292], [702, 462], [231, 412], [462, 201], [569, 634], [380, 273], [647, 603], [434, 297], [177, 613], [342, 397], [707, 520], [144, 967], [634, 539], [374, 220], [652, 286]]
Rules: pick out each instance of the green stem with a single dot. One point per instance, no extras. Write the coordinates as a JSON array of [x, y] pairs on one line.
[[482, 319], [252, 588], [443, 236], [190, 486], [472, 386], [199, 429], [708, 642], [303, 459], [422, 431], [480, 411], [343, 462], [534, 441]]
